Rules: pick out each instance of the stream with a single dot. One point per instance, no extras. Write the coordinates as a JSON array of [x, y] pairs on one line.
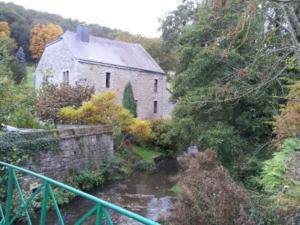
[[147, 194]]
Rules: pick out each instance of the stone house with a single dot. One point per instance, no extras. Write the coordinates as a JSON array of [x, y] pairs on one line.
[[109, 65]]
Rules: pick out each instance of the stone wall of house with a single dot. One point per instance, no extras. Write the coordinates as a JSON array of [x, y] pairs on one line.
[[85, 147], [55, 60], [142, 84]]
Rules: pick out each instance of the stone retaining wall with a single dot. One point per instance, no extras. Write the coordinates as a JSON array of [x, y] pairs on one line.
[[85, 147]]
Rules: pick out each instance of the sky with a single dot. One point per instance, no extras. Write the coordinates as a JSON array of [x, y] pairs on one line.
[[134, 16]]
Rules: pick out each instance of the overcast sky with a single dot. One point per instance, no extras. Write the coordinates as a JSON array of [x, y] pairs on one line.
[[135, 16]]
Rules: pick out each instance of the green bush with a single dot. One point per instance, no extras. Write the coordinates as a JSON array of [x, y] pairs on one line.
[[145, 165], [87, 179], [17, 105], [161, 138], [119, 167]]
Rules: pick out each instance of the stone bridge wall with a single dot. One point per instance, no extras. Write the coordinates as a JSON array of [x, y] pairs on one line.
[[85, 147]]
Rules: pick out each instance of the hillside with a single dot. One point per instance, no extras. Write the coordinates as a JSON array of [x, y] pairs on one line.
[[21, 21]]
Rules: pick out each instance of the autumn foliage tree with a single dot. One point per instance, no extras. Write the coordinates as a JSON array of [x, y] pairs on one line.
[[40, 35], [4, 29], [103, 109]]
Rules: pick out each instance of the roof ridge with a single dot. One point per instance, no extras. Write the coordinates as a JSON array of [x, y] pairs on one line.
[[109, 51], [107, 39]]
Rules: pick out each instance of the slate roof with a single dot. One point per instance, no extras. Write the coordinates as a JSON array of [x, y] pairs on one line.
[[111, 52]]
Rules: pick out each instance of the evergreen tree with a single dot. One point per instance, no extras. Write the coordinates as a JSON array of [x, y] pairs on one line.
[[128, 99], [19, 66], [21, 56]]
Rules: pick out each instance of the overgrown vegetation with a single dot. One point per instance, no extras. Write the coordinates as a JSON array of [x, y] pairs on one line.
[[53, 97], [208, 195]]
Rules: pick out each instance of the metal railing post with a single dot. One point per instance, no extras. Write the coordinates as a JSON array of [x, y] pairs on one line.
[[44, 203], [9, 195]]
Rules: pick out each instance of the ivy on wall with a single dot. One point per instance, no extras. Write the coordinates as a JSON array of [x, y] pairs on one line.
[[16, 147]]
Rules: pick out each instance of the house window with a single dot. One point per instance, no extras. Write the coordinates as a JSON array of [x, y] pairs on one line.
[[155, 85], [107, 80], [155, 106], [66, 77]]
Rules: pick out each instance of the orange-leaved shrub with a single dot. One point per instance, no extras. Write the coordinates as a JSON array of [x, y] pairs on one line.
[[103, 109], [287, 124], [208, 195]]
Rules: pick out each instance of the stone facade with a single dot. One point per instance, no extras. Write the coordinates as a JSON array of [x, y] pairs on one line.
[[142, 84], [79, 148], [57, 58]]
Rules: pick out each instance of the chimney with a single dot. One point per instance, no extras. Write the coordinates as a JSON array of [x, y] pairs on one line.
[[83, 33]]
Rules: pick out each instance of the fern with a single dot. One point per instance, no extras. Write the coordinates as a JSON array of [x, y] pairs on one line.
[[275, 168]]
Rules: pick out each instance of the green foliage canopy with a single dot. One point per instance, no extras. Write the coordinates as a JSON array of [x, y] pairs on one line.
[[223, 84]]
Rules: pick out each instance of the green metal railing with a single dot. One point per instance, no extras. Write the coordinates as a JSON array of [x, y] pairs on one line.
[[100, 208]]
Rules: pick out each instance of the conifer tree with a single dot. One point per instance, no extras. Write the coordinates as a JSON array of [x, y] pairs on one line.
[[19, 67], [128, 99]]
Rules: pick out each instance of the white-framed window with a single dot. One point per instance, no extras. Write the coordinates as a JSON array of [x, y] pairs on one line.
[[107, 80], [66, 78]]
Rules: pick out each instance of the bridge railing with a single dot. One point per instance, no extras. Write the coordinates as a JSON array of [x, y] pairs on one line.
[[9, 216]]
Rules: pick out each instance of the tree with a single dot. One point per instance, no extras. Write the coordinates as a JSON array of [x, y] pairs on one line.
[[102, 109], [7, 59], [16, 104], [4, 29], [227, 76], [52, 97], [21, 56], [288, 19], [173, 22], [40, 35], [129, 100], [20, 70]]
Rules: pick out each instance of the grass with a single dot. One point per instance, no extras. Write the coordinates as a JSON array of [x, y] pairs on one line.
[[29, 81], [145, 153]]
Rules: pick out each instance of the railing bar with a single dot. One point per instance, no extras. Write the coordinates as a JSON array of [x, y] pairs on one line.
[[22, 198], [61, 220], [87, 215], [28, 201], [99, 215], [85, 195], [107, 217], [44, 203], [9, 195], [1, 213]]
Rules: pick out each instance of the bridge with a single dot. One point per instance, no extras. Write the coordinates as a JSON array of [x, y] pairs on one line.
[[9, 213]]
